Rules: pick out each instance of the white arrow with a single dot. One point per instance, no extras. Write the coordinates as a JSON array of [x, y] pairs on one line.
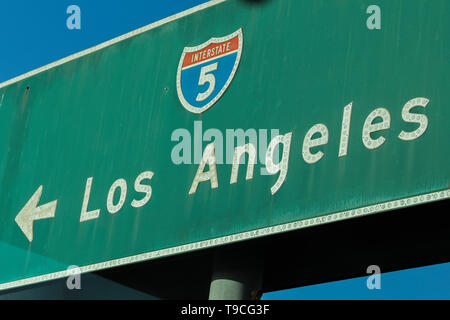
[[30, 213]]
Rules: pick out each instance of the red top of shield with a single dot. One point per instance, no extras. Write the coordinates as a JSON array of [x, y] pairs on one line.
[[214, 50]]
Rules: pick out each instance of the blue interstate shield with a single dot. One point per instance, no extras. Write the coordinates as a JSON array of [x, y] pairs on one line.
[[206, 71]]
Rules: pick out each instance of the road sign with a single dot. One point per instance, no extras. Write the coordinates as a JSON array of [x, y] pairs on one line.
[[315, 118]]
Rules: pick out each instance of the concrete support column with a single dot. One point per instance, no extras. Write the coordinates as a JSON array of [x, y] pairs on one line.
[[237, 274]]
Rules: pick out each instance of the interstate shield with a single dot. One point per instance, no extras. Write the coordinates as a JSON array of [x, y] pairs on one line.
[[205, 71]]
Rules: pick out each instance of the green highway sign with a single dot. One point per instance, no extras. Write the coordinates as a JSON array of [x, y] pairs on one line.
[[230, 121]]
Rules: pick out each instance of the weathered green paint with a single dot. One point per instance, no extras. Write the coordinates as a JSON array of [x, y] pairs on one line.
[[108, 115]]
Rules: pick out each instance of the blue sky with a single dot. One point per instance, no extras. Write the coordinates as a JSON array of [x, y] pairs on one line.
[[430, 282], [34, 33]]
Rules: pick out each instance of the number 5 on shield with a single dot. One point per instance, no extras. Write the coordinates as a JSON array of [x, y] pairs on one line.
[[207, 77]]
